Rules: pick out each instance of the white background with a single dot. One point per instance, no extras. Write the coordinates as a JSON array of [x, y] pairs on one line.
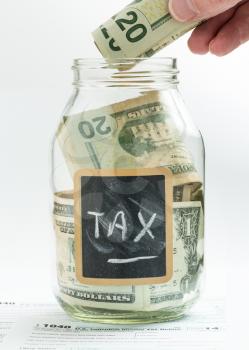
[[38, 41]]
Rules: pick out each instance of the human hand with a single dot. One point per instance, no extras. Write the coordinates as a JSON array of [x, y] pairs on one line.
[[226, 28]]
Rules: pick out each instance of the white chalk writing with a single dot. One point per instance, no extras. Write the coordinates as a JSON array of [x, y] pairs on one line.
[[146, 227], [97, 215], [125, 261], [122, 227]]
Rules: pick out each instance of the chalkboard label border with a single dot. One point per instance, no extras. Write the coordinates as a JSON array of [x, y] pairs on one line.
[[168, 232]]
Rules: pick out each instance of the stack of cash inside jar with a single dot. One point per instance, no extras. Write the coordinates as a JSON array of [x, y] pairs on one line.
[[149, 141]]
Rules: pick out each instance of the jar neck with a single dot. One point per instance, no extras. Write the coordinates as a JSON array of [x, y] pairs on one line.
[[149, 74]]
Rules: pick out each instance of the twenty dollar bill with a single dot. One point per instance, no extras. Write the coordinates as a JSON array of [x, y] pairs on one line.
[[135, 133], [140, 30]]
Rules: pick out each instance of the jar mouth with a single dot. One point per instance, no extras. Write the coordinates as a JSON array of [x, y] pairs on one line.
[[163, 62], [125, 72]]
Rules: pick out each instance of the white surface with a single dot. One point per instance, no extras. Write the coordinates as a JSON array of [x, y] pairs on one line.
[[39, 39], [37, 327]]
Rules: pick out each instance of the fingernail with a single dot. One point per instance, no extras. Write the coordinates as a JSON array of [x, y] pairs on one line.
[[183, 10]]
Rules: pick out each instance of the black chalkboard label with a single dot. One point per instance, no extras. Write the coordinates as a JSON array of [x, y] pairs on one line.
[[123, 226]]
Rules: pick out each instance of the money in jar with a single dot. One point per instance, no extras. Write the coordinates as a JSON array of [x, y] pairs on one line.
[[128, 183]]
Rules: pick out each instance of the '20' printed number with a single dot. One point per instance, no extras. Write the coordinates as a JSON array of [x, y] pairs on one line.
[[97, 126], [136, 32]]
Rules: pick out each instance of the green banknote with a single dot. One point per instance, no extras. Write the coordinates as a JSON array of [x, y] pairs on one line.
[[136, 133], [140, 30]]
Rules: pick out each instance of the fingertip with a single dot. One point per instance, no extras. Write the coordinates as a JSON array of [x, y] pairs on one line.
[[228, 38], [220, 47], [197, 46], [202, 38], [215, 49]]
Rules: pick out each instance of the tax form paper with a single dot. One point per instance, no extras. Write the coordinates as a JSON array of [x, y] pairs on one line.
[[47, 327]]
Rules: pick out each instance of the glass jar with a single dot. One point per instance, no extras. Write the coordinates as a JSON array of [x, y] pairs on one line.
[[128, 183]]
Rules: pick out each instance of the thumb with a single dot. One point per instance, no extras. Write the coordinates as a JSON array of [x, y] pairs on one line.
[[188, 10]]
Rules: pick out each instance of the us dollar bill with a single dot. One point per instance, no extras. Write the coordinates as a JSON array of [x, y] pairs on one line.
[[139, 30], [135, 133], [187, 263], [188, 232]]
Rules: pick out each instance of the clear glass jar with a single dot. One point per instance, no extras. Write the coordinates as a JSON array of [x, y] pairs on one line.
[[128, 183]]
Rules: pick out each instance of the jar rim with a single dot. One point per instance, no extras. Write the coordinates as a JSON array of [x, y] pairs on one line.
[[88, 62], [125, 72]]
